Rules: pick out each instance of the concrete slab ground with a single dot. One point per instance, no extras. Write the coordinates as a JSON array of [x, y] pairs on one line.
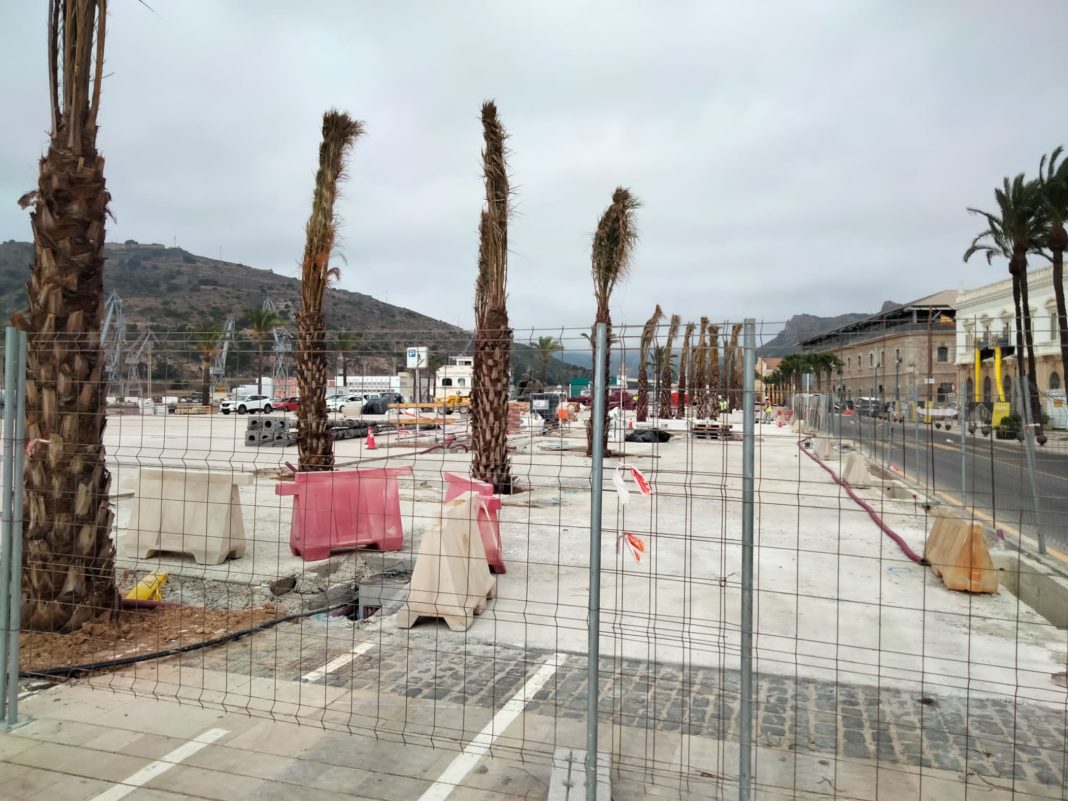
[[84, 744]]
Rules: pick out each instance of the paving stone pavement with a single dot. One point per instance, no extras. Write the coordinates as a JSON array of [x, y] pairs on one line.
[[988, 737]]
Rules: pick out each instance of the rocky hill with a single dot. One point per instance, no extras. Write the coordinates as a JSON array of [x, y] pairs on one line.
[[172, 291], [802, 326]]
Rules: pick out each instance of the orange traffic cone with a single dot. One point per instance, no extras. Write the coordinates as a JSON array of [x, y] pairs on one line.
[[370, 439]]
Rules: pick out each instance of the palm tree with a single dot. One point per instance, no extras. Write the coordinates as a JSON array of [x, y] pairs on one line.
[[346, 342], [699, 374], [713, 367], [613, 246], [69, 561], [1053, 187], [205, 339], [685, 368], [262, 322], [545, 348], [493, 337], [315, 448], [660, 361], [641, 405], [665, 408], [1017, 230], [734, 374], [434, 362]]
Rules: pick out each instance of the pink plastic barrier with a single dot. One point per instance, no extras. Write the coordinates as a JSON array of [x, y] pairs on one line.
[[342, 510], [489, 523]]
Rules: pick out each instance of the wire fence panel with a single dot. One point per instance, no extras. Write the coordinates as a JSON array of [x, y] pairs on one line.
[[392, 596]]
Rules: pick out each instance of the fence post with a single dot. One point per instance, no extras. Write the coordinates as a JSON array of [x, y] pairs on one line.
[[593, 648], [11, 528], [745, 715]]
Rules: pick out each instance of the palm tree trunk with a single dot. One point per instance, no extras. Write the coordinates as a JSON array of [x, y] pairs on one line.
[[259, 369], [735, 375], [666, 410], [314, 444], [1058, 236], [1029, 343], [641, 405], [700, 373], [713, 369], [685, 369], [68, 558], [493, 336], [205, 381]]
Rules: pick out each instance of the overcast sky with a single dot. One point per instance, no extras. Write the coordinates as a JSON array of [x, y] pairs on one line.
[[792, 157]]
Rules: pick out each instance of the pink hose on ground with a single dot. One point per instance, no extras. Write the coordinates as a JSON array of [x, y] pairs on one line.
[[905, 549]]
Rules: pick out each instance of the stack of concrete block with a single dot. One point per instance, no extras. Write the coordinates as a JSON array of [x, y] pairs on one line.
[[271, 431]]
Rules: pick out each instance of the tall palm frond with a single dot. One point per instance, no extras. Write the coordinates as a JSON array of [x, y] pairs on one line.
[[700, 372], [613, 246], [1053, 191]]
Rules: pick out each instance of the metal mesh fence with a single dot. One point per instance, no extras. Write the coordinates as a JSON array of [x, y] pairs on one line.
[[392, 597]]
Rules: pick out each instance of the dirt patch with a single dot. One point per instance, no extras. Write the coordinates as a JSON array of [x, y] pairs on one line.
[[134, 632]]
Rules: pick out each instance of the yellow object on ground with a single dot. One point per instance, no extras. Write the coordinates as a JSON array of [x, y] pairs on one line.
[[978, 375], [957, 552], [998, 384], [150, 588]]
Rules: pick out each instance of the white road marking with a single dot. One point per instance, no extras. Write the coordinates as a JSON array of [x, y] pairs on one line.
[[160, 766], [474, 751], [337, 662]]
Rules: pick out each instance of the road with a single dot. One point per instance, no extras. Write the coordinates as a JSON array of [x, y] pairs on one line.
[[996, 479]]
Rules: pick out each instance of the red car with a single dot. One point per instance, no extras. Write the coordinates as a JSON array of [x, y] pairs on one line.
[[286, 404]]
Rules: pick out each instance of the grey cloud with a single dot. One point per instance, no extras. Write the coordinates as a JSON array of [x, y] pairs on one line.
[[791, 157]]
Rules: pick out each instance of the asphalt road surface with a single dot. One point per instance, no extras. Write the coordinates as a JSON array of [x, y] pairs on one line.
[[996, 480]]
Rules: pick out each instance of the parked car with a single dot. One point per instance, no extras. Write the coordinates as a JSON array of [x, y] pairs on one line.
[[246, 404], [338, 403], [376, 406], [286, 404]]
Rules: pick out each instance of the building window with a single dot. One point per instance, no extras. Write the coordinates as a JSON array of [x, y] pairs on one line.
[[986, 390], [1006, 333], [1054, 381], [446, 382], [1054, 327], [970, 391], [1006, 387], [897, 355], [871, 359], [942, 354], [461, 382]]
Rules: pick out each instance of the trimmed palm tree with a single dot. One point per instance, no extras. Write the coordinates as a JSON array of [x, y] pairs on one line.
[[545, 349], [314, 445], [734, 375], [714, 388], [699, 374], [662, 365], [345, 342], [262, 323], [641, 404], [493, 336], [1016, 230], [613, 246], [1053, 187], [68, 556], [665, 409], [685, 367]]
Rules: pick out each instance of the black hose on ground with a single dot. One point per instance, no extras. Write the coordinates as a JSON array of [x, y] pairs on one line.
[[78, 670]]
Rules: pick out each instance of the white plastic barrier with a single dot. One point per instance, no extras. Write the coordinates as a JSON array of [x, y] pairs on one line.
[[186, 511]]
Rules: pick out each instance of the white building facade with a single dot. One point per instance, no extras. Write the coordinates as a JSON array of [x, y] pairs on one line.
[[986, 320], [455, 378]]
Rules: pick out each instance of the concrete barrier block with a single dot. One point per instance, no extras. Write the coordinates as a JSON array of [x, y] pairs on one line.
[[190, 512], [957, 552], [855, 470], [821, 446]]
